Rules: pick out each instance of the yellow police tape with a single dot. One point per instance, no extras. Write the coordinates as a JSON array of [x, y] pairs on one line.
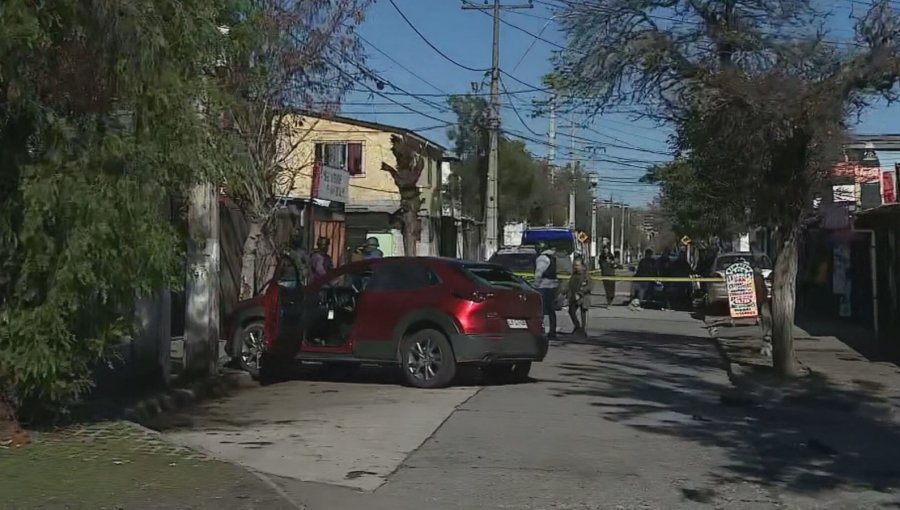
[[595, 275]]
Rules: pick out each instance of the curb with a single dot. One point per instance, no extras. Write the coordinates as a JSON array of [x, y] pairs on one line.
[[176, 398]]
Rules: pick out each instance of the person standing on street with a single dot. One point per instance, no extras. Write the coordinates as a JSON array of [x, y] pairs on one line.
[[320, 260], [547, 283], [647, 268], [608, 268], [579, 293]]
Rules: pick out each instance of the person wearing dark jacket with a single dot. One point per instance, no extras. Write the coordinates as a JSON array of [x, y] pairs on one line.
[[608, 268], [647, 268]]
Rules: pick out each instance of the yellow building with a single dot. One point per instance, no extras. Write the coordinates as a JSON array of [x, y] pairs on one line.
[[360, 148]]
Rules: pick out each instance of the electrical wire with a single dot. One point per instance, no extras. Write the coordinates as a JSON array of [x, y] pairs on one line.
[[432, 46], [401, 66]]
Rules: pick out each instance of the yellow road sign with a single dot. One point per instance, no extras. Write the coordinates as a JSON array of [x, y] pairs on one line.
[[582, 237], [685, 240]]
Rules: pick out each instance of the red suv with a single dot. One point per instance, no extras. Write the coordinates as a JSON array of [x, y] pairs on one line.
[[427, 315]]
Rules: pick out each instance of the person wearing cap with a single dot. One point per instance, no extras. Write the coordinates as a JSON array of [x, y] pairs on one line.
[[547, 283], [320, 260]]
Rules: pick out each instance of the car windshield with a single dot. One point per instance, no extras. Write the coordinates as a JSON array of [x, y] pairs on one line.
[[490, 275], [516, 262], [757, 261]]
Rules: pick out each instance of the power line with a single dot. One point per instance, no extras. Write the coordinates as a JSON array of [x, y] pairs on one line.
[[408, 70], [432, 46], [513, 105]]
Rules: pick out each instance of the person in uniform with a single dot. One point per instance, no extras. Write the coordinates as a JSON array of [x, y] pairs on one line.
[[579, 293], [547, 283]]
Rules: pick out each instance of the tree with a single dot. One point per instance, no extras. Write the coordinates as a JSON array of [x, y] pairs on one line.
[[760, 98], [695, 205], [411, 160], [98, 129], [285, 57], [523, 181]]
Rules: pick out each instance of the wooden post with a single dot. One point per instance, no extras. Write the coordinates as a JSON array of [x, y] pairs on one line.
[[201, 336]]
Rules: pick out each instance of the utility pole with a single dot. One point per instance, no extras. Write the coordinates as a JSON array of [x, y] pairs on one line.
[[492, 227], [201, 335], [595, 247], [622, 235], [612, 227], [574, 176], [551, 132]]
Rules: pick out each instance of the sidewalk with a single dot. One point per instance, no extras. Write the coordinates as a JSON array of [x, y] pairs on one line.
[[829, 438], [120, 465], [835, 373]]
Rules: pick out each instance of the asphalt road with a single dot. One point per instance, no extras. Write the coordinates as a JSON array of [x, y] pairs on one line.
[[638, 415]]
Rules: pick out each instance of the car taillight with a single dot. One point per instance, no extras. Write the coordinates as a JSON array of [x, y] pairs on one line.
[[476, 296], [270, 312]]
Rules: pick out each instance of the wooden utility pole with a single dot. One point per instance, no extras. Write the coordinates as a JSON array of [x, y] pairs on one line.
[[491, 217], [201, 335]]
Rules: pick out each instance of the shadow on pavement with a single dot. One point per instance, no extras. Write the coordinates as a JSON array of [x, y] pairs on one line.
[[814, 441], [855, 336]]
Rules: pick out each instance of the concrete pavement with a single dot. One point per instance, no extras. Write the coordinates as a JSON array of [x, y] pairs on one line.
[[640, 414], [352, 435]]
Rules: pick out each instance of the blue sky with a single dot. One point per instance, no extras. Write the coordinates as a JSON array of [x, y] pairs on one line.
[[465, 36]]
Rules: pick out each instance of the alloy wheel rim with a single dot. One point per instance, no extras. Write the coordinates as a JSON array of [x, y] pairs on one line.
[[425, 359], [251, 346]]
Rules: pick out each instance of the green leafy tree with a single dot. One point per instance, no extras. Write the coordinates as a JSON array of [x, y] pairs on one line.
[[524, 182], [695, 205], [99, 126], [760, 98]]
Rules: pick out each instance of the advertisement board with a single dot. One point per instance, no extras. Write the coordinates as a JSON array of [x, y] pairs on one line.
[[888, 187], [331, 183], [741, 291]]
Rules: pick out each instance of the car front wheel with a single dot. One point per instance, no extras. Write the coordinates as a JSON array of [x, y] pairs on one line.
[[248, 346], [427, 359]]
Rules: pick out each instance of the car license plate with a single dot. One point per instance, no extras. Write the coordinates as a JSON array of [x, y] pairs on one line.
[[517, 324]]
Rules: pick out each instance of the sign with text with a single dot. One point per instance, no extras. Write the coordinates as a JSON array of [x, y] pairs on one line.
[[331, 183], [888, 187], [741, 291]]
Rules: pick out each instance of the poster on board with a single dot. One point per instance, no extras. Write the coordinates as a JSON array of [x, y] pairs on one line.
[[741, 291]]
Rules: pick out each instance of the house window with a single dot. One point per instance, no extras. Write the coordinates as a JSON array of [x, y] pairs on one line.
[[344, 155]]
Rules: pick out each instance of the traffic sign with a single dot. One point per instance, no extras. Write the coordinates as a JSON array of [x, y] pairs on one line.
[[582, 237], [685, 240]]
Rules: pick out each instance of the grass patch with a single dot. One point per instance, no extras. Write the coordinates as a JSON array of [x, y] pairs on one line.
[[121, 467]]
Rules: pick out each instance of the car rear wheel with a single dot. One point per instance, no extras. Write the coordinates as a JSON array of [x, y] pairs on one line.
[[427, 359]]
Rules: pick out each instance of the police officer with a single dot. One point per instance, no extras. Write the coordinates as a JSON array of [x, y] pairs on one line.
[[547, 283]]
